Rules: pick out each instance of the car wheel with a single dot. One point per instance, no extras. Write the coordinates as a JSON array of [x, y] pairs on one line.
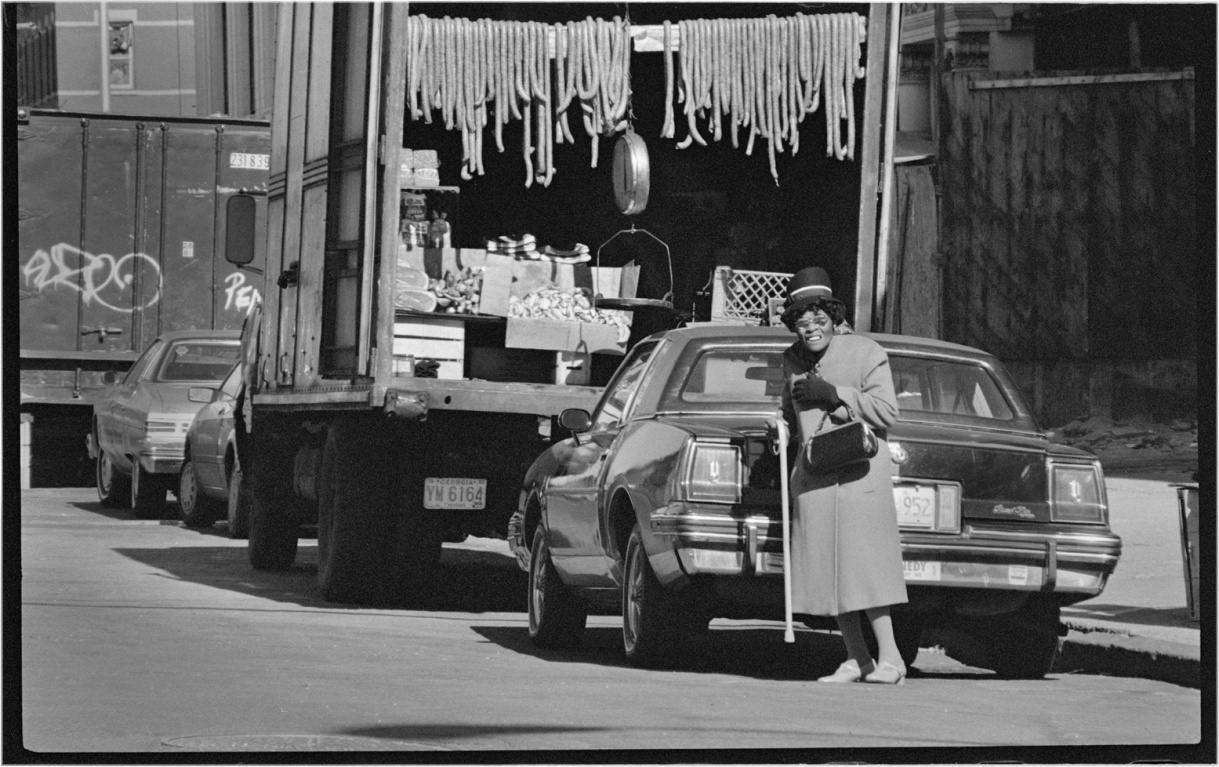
[[556, 616], [238, 506], [113, 486], [1023, 654], [353, 515], [197, 509], [647, 608], [148, 493]]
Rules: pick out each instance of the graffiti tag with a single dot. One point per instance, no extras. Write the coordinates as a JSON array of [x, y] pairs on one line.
[[90, 274], [238, 295]]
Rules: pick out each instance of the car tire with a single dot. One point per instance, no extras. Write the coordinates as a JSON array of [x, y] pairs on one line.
[[648, 609], [1025, 644], [353, 515], [238, 505], [148, 492], [113, 486], [274, 527], [556, 616], [197, 509]]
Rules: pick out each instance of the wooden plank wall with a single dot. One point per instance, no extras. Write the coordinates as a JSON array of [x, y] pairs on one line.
[[1068, 228]]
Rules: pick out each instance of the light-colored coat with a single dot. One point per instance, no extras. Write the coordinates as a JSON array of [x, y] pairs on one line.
[[846, 553]]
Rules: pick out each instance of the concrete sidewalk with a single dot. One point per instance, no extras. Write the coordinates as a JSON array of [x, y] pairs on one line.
[[1140, 625]]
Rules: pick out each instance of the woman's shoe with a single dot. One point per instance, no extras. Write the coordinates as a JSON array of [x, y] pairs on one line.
[[886, 673], [847, 672]]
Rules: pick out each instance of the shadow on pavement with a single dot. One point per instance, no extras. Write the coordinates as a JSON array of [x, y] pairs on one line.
[[466, 581], [1177, 617]]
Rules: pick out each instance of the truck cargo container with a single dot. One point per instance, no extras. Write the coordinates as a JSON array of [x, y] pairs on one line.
[[121, 238]]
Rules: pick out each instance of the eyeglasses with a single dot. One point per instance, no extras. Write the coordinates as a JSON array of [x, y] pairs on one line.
[[821, 322]]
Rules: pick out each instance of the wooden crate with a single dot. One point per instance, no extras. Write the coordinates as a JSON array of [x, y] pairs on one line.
[[437, 339]]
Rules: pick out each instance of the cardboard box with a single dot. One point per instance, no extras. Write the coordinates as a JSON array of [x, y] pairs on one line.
[[559, 336], [506, 277]]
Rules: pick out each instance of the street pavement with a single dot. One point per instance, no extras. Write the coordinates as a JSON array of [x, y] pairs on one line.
[[1140, 625]]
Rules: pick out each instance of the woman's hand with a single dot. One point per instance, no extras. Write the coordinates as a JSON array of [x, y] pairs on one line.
[[811, 392]]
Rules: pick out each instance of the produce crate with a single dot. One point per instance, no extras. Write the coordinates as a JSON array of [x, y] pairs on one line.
[[433, 338], [744, 297]]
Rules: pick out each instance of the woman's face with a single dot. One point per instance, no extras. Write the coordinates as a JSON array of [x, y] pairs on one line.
[[814, 328]]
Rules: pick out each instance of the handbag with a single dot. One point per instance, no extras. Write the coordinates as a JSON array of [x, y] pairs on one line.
[[839, 446]]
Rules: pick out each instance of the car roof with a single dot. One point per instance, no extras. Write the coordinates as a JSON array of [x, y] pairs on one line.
[[219, 335], [889, 341]]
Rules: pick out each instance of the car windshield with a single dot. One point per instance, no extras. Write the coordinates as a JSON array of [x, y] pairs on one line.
[[751, 379], [199, 361]]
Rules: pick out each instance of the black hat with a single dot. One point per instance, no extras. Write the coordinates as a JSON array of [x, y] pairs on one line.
[[806, 287]]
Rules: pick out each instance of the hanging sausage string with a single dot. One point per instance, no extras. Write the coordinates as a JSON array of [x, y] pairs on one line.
[[763, 75]]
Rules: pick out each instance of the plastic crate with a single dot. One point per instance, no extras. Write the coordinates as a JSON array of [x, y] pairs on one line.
[[743, 296]]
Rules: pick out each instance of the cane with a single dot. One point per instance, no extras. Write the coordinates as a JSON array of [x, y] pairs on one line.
[[789, 636]]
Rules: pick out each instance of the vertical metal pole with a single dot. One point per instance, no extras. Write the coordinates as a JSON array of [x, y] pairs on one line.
[[884, 308], [104, 25], [869, 166], [789, 635]]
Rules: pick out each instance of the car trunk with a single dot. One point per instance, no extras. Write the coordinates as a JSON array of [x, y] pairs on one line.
[[1003, 474]]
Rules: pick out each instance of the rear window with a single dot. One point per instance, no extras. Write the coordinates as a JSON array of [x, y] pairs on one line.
[[947, 388], [199, 361], [737, 376]]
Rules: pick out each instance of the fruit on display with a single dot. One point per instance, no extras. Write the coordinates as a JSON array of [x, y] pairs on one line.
[[458, 293], [572, 305]]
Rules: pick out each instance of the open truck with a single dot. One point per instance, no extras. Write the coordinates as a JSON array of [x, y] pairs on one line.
[[336, 425], [121, 236]]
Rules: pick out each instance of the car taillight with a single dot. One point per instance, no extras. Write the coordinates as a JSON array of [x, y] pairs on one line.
[[1077, 493], [715, 473]]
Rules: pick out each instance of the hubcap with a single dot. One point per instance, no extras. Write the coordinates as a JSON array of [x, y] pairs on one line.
[[537, 591], [105, 474], [634, 608], [188, 487]]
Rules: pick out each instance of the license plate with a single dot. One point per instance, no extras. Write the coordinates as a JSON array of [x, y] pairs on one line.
[[921, 571], [454, 493], [915, 505]]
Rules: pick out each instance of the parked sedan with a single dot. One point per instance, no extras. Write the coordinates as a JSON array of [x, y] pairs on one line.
[[210, 479], [140, 423], [665, 501]]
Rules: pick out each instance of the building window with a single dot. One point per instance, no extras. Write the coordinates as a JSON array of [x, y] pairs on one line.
[[122, 36]]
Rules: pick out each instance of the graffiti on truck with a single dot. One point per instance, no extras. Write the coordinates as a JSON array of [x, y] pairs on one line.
[[90, 274], [102, 279]]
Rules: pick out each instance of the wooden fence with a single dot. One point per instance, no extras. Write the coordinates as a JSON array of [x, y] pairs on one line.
[[1068, 226]]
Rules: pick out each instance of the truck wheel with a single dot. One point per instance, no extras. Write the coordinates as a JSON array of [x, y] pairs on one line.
[[273, 527], [113, 486], [647, 608], [239, 505], [148, 493], [197, 509], [556, 616], [354, 525]]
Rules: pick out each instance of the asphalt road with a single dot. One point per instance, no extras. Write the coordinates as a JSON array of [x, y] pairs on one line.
[[149, 637]]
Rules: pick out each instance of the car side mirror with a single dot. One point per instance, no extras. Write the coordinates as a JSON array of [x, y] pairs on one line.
[[240, 213], [575, 420], [110, 377], [200, 394]]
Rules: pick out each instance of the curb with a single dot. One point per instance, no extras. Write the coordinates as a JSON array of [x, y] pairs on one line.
[[1100, 652]]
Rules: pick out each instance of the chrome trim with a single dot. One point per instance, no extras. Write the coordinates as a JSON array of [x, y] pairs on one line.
[[1083, 539]]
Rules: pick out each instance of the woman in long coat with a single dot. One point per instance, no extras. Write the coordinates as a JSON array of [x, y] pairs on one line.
[[846, 553]]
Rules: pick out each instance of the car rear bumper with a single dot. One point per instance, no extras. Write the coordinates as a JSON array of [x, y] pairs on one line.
[[161, 462], [710, 542]]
